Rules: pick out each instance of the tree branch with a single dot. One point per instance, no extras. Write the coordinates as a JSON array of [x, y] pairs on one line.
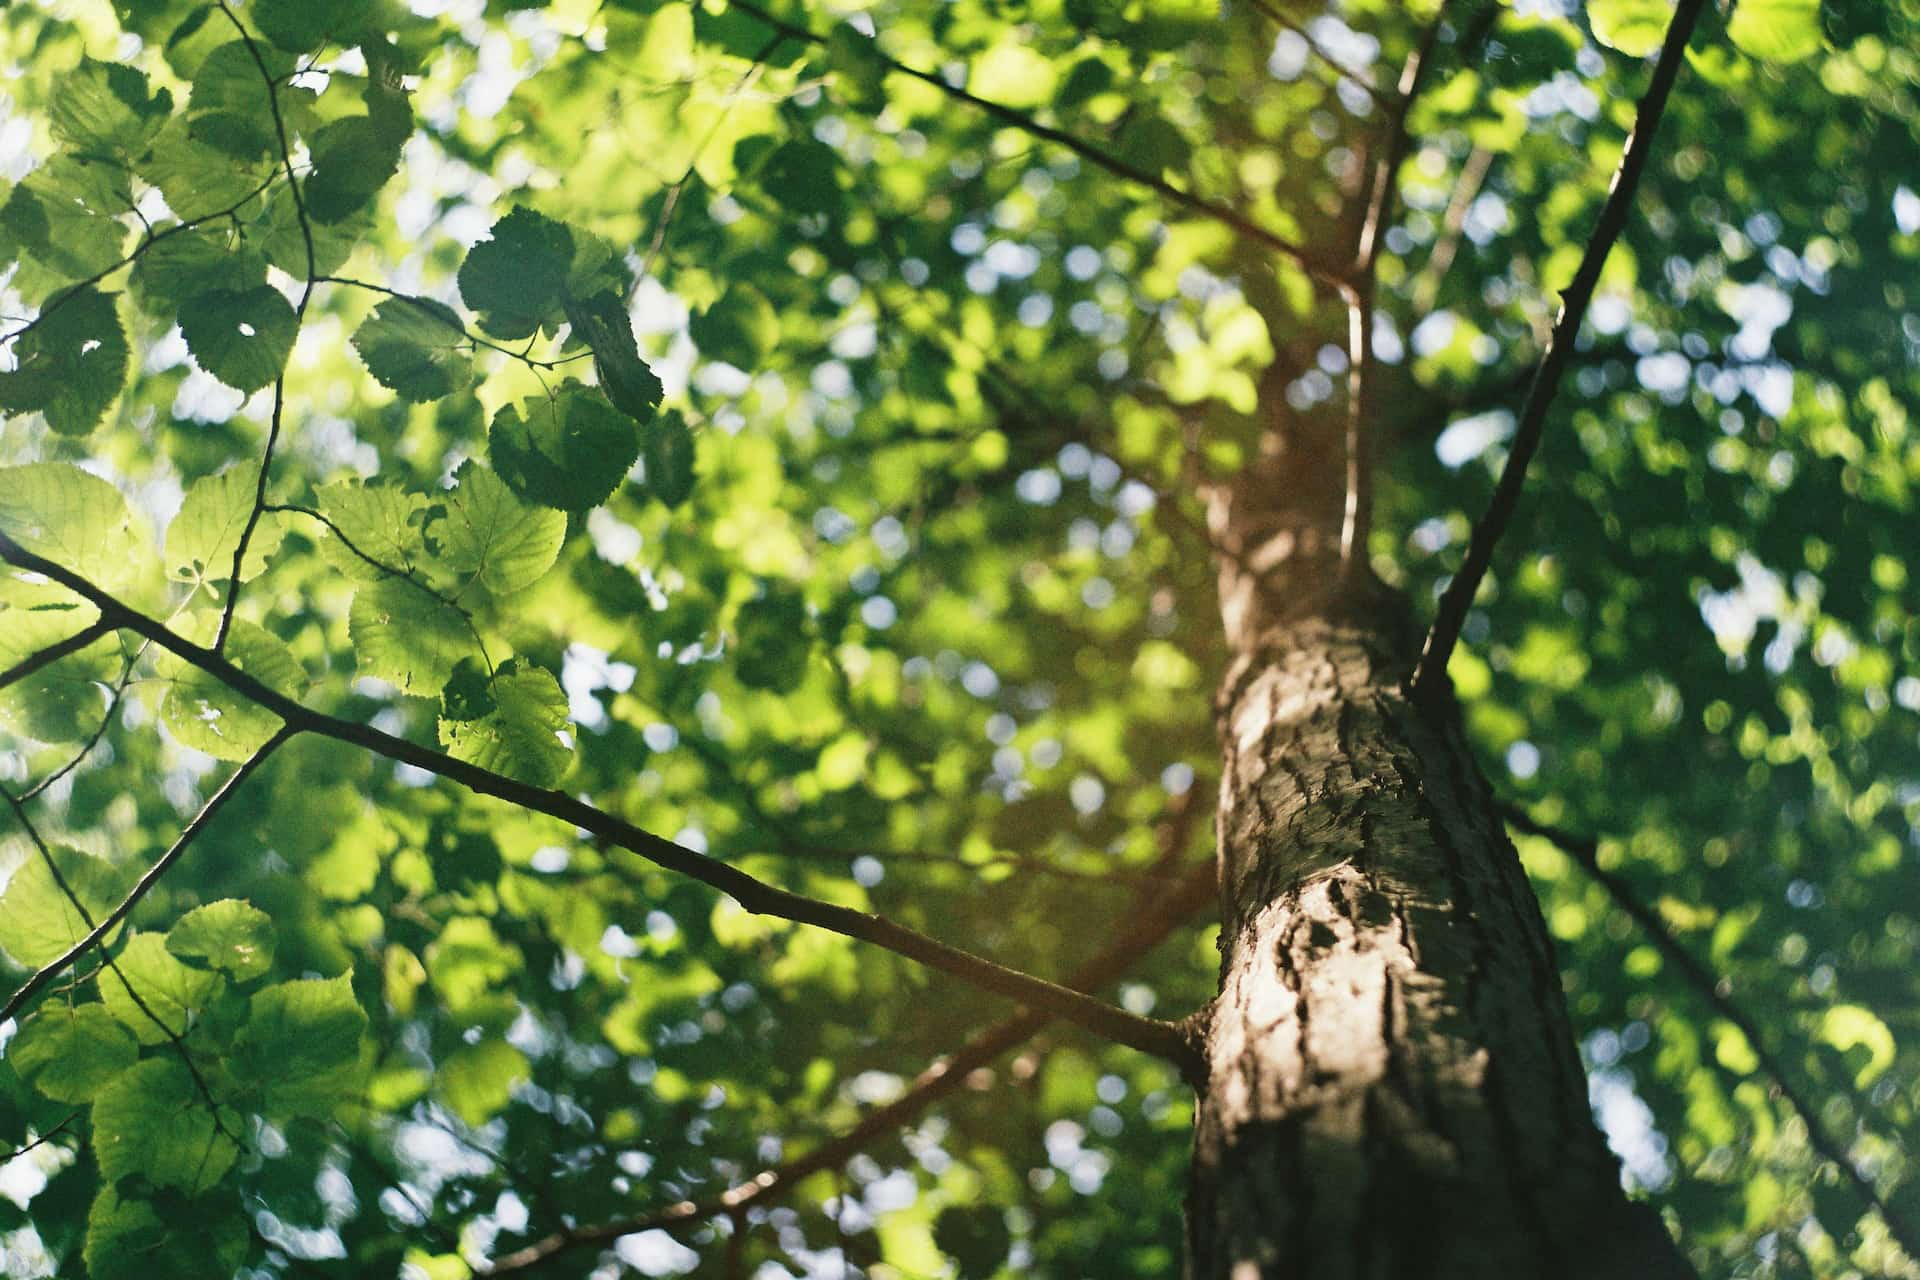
[[1359, 80], [97, 935], [299, 315], [1113, 164], [1161, 1039], [55, 651], [1357, 520], [1585, 851], [1160, 915], [1431, 674], [54, 968], [147, 242]]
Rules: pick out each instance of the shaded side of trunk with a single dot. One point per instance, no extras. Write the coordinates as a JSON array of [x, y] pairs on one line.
[[1394, 1089]]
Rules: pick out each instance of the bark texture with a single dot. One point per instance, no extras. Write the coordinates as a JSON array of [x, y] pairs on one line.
[[1393, 1089]]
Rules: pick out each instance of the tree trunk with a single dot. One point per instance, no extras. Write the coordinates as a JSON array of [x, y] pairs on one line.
[[1393, 1088]]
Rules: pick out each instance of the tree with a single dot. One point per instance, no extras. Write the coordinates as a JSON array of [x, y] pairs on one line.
[[622, 619]]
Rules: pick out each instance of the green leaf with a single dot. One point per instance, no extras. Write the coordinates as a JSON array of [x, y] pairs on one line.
[[104, 108], [519, 735], [569, 450], [205, 533], [669, 456], [603, 324], [183, 264], [198, 180], [466, 696], [70, 516], [152, 1121], [415, 347], [301, 1045], [476, 1081], [1777, 30], [62, 223], [1855, 1027], [278, 234], [404, 635], [489, 536], [230, 935], [301, 26], [80, 522], [738, 329], [129, 1238], [241, 337], [167, 990], [773, 642], [1634, 27], [1014, 75], [71, 365], [859, 69], [843, 761], [68, 1052], [229, 108], [38, 921], [975, 1237], [515, 280], [352, 160], [203, 713], [382, 521]]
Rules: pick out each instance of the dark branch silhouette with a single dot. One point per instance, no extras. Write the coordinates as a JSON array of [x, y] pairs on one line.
[[1162, 1039], [1113, 164], [1585, 851], [1431, 674]]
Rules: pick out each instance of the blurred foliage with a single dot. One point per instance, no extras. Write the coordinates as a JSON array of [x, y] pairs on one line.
[[750, 437]]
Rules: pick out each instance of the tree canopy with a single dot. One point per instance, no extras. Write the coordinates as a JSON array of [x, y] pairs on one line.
[[608, 651]]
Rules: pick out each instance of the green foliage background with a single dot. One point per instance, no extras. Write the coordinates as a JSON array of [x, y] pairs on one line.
[[794, 460]]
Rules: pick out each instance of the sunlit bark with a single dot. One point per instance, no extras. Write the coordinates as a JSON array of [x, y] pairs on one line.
[[1394, 1089]]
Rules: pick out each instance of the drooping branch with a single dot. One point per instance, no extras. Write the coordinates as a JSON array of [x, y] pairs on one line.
[[1160, 915], [1161, 1039], [1585, 852], [1225, 216], [1431, 674]]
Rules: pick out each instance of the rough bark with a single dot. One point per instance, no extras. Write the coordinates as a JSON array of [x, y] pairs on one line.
[[1393, 1087]]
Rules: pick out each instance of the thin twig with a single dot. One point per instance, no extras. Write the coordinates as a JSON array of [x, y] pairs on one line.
[[465, 333], [1220, 213], [55, 651], [1360, 80], [1148, 1035], [54, 968], [1357, 520], [1585, 851], [99, 731], [1157, 917], [98, 933], [1431, 674], [41, 1141], [299, 315]]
